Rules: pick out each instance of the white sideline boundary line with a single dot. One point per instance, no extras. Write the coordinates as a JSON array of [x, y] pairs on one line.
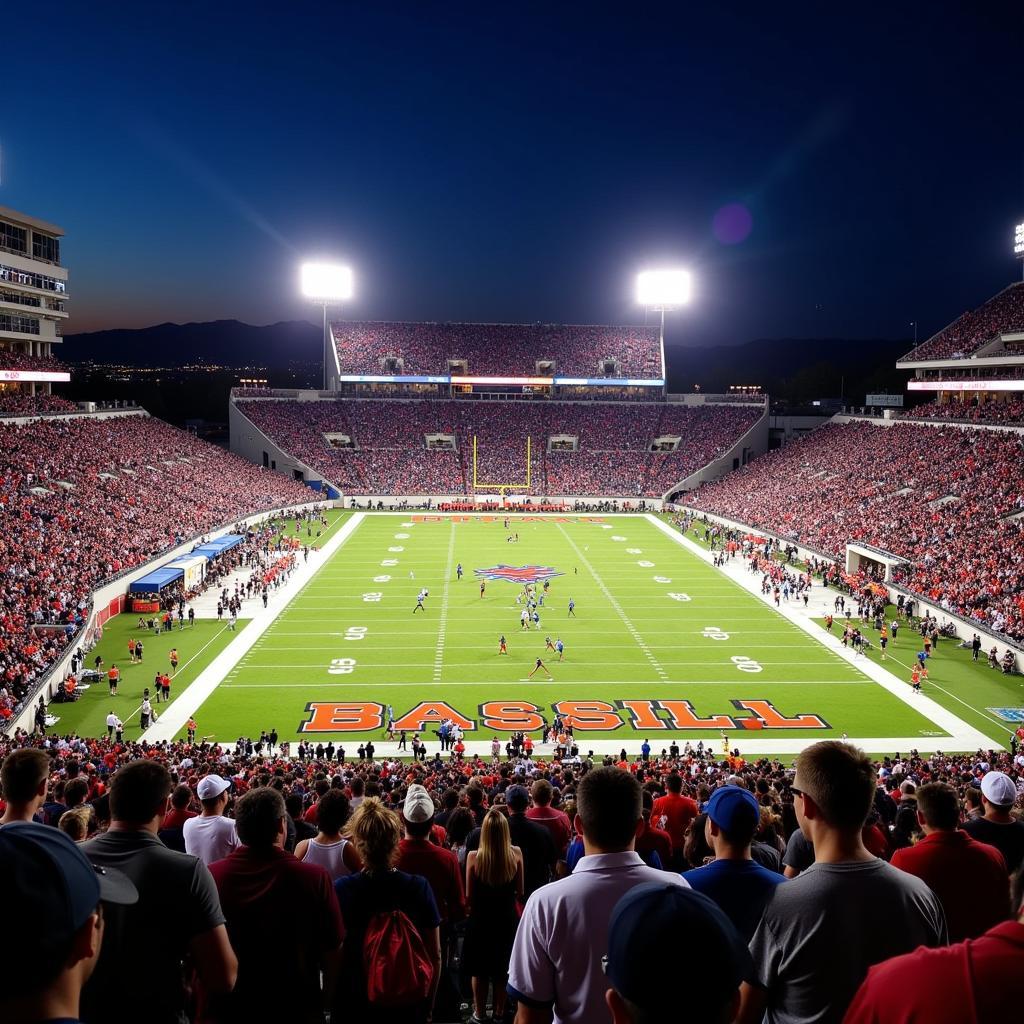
[[961, 737], [194, 696]]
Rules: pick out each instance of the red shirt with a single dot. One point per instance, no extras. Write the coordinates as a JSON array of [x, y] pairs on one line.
[[175, 818], [265, 893], [973, 982], [969, 878], [440, 867], [655, 839], [556, 822], [680, 811]]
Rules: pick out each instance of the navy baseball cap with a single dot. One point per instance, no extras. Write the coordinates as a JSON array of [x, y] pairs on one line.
[[50, 886], [517, 797], [733, 807], [644, 933]]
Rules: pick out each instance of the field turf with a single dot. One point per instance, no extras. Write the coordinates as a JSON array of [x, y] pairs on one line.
[[661, 645]]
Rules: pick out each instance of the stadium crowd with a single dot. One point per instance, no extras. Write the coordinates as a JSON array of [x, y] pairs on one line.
[[1010, 411], [21, 403], [83, 499], [556, 891], [391, 454], [11, 359], [499, 349], [937, 498], [1001, 314]]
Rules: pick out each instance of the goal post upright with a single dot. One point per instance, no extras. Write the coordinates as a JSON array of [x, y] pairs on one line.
[[479, 485]]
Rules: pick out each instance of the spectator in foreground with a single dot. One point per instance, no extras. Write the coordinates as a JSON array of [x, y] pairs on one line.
[[175, 889], [735, 882], [673, 812], [997, 826], [418, 855], [23, 778], [211, 836], [555, 973], [380, 887], [978, 980], [554, 820], [262, 884], [969, 877], [57, 897], [532, 838], [329, 848], [494, 882], [822, 930], [643, 955]]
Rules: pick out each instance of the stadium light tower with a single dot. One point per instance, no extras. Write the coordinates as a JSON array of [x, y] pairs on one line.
[[663, 290], [326, 284]]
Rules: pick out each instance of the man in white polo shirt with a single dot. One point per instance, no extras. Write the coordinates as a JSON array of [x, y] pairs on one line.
[[555, 973], [211, 836]]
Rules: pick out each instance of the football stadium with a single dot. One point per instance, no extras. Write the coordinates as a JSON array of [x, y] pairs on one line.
[[479, 666]]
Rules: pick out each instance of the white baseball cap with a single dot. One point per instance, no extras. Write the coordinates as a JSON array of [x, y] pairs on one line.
[[998, 788], [418, 805], [211, 786]]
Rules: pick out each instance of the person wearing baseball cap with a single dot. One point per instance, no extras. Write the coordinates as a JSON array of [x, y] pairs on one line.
[[997, 826], [419, 855], [211, 836], [734, 880], [643, 956], [55, 895]]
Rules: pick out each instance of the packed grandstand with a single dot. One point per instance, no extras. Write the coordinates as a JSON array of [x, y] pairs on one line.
[[532, 888]]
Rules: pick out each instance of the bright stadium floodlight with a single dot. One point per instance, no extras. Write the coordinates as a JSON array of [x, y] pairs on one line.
[[326, 284], [663, 290]]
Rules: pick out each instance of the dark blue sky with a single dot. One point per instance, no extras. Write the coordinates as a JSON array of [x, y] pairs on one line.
[[521, 162]]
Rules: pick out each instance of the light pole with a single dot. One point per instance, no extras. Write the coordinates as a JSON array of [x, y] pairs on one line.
[[326, 284], [663, 290]]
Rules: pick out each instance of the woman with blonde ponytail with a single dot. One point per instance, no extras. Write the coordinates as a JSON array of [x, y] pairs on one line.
[[494, 877]]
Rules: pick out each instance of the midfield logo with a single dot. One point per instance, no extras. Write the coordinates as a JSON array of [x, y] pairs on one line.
[[518, 573]]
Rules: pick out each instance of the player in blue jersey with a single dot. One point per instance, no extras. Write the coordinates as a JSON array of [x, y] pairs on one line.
[[560, 648], [572, 607]]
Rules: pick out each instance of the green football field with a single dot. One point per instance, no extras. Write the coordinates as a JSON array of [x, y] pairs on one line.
[[661, 646]]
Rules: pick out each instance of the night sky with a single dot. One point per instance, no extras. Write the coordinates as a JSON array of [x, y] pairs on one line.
[[508, 162]]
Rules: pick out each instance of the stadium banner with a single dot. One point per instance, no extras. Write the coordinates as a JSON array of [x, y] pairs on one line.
[[966, 385], [34, 376], [884, 400]]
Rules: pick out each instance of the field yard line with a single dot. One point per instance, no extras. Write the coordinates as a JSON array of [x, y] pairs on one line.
[[210, 678], [615, 604], [443, 621], [960, 732]]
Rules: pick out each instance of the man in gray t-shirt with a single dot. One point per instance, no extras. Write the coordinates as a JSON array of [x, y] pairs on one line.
[[822, 930], [139, 974]]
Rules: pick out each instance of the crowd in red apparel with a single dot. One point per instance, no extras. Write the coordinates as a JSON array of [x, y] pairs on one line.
[[390, 454], [1001, 314], [1010, 411], [499, 349], [21, 403], [934, 496], [10, 359], [83, 499]]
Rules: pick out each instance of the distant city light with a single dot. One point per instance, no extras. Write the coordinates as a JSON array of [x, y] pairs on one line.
[[663, 289], [326, 282]]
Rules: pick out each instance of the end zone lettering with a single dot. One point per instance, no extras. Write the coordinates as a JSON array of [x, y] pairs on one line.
[[584, 715]]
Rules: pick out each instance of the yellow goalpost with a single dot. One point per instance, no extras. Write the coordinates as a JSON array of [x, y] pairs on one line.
[[479, 485]]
